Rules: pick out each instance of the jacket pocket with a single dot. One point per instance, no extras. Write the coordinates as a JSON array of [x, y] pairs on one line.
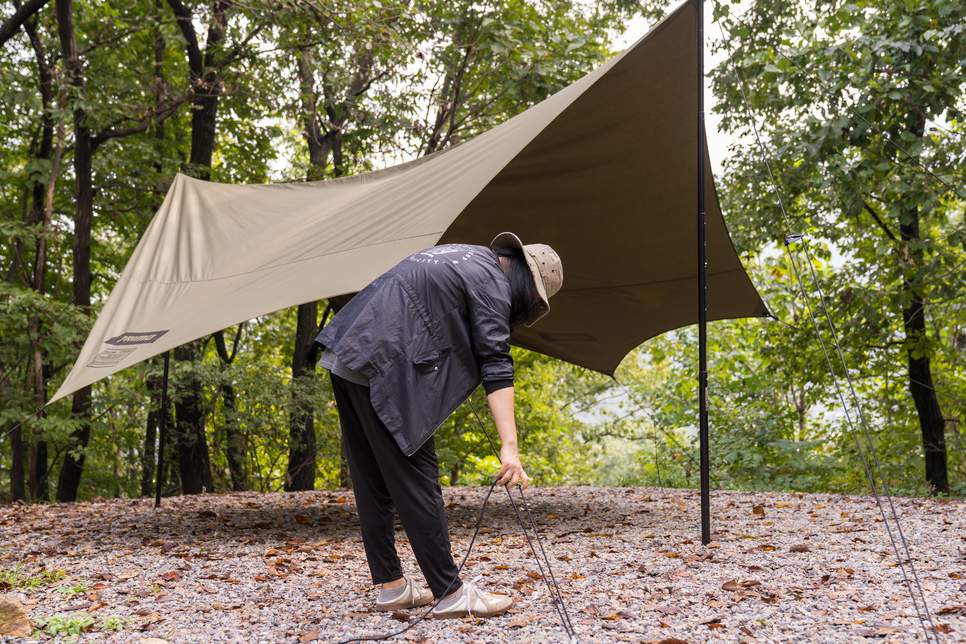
[[428, 358]]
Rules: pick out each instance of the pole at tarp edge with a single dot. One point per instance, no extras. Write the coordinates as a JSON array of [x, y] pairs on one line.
[[702, 298], [163, 433]]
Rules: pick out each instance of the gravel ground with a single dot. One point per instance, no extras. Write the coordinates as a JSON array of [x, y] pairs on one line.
[[256, 567]]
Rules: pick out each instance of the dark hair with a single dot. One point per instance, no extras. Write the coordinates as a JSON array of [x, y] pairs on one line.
[[523, 291]]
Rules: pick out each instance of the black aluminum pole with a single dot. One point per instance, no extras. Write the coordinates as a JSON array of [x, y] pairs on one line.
[[164, 417], [702, 300]]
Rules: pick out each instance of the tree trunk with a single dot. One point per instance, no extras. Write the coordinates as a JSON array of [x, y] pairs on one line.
[[154, 382], [236, 444], [192, 443], [73, 466], [37, 486], [18, 491], [148, 457], [193, 459], [345, 480], [236, 447], [300, 474], [921, 386]]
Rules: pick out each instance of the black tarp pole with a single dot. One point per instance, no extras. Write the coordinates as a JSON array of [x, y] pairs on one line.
[[164, 425], [702, 299]]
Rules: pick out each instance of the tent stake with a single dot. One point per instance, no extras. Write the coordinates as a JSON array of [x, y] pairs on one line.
[[702, 298], [164, 418]]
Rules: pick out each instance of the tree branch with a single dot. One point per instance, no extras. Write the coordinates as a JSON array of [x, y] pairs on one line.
[[143, 126], [888, 232], [23, 13], [183, 14], [237, 50]]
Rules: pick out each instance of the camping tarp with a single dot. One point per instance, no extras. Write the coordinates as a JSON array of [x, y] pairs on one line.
[[604, 171]]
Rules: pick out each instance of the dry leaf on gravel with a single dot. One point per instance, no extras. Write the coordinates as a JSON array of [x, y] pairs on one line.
[[310, 635]]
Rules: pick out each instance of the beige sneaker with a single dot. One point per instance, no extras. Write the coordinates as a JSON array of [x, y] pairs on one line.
[[411, 597], [474, 602]]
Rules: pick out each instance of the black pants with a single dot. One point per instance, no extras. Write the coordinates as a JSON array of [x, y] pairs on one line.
[[383, 477]]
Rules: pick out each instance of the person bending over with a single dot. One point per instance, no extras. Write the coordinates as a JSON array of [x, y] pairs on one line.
[[403, 354]]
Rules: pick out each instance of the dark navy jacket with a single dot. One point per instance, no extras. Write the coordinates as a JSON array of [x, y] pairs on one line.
[[426, 333]]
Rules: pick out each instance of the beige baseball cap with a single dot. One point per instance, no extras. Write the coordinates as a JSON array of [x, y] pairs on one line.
[[545, 265]]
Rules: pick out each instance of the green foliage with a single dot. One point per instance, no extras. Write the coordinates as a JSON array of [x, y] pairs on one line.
[[72, 624], [395, 80], [377, 75], [836, 89], [72, 590], [555, 447], [14, 578]]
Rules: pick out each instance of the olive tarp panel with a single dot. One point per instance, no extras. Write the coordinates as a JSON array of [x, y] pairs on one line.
[[603, 171]]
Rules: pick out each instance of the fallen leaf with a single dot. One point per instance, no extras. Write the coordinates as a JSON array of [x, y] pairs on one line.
[[758, 510], [955, 608], [731, 586], [128, 574], [310, 635], [516, 622], [171, 576], [672, 640], [401, 616]]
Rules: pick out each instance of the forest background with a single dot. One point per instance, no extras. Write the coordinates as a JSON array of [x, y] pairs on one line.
[[103, 102]]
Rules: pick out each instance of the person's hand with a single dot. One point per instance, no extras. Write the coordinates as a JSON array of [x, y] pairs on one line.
[[512, 470]]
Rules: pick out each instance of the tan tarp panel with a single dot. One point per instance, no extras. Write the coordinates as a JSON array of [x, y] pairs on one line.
[[604, 171]]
